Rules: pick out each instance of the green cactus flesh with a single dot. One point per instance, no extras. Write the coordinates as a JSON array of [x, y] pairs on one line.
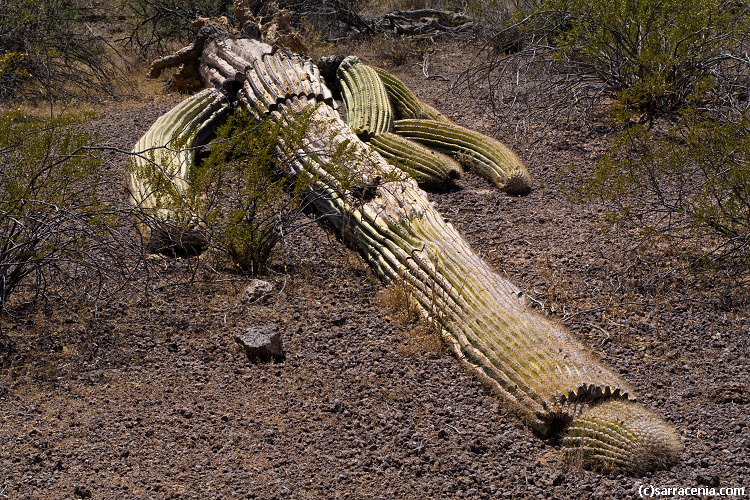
[[488, 157], [428, 167], [368, 109]]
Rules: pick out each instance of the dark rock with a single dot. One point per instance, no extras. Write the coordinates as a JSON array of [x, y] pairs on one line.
[[710, 480], [255, 291], [81, 492], [261, 343], [477, 446]]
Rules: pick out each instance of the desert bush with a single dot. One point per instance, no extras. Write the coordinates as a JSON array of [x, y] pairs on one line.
[[242, 198], [157, 25], [245, 203], [252, 190], [54, 229], [47, 51], [669, 83], [688, 182], [564, 57]]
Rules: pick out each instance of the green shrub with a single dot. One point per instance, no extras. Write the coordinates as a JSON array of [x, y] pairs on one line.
[[47, 51], [246, 204], [652, 55], [672, 80], [51, 219], [562, 58], [689, 181]]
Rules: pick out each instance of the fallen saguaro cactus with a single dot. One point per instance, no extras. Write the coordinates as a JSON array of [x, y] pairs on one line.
[[533, 362], [160, 168], [488, 157]]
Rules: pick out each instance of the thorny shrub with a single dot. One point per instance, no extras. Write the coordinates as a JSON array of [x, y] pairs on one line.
[[54, 229], [47, 51], [687, 181], [156, 25], [251, 190], [565, 57], [673, 80], [241, 196]]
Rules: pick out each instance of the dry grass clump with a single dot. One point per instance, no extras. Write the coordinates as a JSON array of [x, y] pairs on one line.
[[406, 313]]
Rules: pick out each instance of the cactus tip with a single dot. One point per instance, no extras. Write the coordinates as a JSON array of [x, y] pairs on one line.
[[622, 435]]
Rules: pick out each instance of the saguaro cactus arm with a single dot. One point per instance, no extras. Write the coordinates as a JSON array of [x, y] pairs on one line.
[[490, 158], [427, 167], [405, 103], [368, 109], [160, 167]]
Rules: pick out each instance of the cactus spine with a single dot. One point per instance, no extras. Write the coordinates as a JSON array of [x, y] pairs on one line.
[[159, 171], [427, 167], [489, 158], [368, 109]]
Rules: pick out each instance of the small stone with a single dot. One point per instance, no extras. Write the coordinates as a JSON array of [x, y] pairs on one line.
[[477, 447], [81, 492], [710, 480], [255, 291], [261, 343], [185, 412]]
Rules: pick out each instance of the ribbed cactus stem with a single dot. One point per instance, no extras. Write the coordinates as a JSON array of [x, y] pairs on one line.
[[489, 158], [405, 102], [428, 167], [160, 168], [532, 361], [368, 109]]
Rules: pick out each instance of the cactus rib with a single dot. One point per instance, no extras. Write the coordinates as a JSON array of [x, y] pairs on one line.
[[428, 167], [490, 158]]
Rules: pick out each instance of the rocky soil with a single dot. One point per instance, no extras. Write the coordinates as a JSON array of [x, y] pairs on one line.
[[149, 396]]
